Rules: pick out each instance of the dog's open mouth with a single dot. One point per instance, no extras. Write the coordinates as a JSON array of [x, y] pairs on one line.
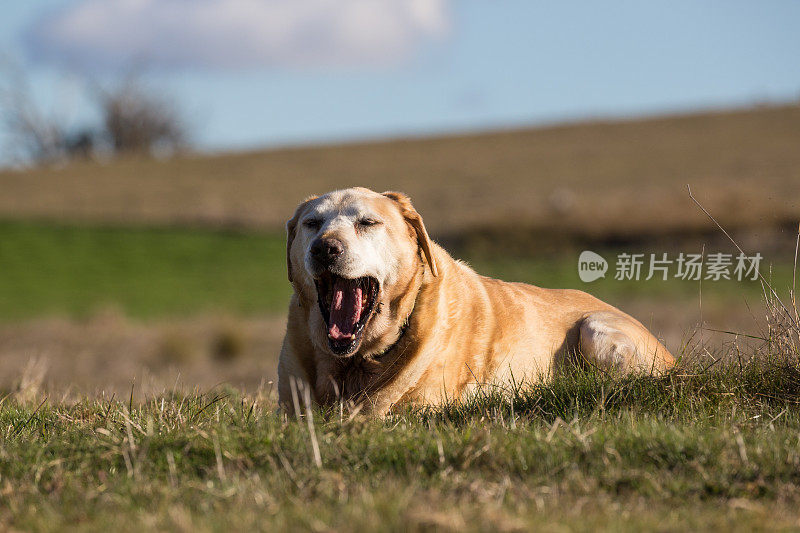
[[346, 305]]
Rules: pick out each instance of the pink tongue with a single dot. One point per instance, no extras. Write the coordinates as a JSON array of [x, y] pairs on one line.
[[345, 309]]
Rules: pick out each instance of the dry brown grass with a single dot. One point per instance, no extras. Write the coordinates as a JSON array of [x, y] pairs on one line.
[[109, 354], [597, 178]]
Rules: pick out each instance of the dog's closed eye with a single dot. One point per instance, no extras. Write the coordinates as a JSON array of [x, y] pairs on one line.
[[312, 223], [367, 222]]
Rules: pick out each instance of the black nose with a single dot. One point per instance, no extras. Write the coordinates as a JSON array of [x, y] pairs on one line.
[[326, 250]]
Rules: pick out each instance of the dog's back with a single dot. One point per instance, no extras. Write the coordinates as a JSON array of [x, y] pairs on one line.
[[471, 329]]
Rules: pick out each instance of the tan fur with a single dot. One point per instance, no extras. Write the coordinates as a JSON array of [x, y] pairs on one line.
[[463, 329]]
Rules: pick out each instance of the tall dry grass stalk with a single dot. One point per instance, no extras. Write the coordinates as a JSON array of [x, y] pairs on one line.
[[781, 338], [783, 325], [30, 386]]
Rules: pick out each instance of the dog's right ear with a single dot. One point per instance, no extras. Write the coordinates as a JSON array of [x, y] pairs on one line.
[[291, 231], [414, 220]]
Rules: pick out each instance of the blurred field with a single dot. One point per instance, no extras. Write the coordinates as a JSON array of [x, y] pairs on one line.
[[598, 179], [139, 269], [110, 354], [145, 272], [87, 309], [76, 271]]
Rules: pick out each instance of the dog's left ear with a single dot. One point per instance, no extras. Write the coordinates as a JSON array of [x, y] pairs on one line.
[[291, 231], [414, 219]]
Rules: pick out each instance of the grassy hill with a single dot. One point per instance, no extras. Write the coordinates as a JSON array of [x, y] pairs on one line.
[[602, 178], [714, 450]]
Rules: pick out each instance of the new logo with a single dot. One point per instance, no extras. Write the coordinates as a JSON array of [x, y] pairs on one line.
[[591, 266]]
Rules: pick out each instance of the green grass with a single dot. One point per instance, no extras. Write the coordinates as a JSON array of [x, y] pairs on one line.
[[75, 270], [561, 271], [717, 449]]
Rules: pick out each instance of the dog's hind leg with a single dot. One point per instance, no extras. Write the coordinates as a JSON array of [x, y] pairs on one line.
[[613, 341]]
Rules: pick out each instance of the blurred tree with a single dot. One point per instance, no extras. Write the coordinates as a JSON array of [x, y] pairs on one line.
[[33, 135], [136, 120], [132, 119]]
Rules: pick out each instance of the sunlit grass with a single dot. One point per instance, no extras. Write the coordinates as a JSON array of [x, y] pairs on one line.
[[583, 451]]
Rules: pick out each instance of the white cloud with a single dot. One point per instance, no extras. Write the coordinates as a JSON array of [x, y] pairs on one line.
[[236, 33]]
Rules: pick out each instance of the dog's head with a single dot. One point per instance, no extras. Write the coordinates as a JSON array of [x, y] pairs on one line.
[[355, 252]]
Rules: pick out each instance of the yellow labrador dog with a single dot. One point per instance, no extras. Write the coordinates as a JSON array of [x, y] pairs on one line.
[[382, 316]]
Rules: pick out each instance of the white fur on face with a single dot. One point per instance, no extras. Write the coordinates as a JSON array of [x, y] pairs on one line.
[[386, 252], [368, 250]]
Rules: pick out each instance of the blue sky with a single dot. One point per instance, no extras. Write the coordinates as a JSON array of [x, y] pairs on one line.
[[251, 73]]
